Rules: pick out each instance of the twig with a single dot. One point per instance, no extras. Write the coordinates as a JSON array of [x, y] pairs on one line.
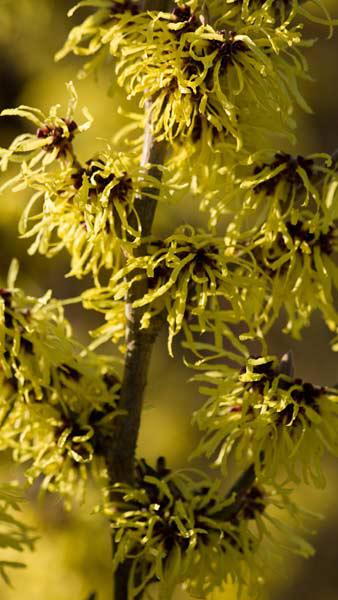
[[121, 447], [139, 342], [120, 459]]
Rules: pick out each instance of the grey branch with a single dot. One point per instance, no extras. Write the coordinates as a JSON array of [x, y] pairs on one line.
[[121, 446]]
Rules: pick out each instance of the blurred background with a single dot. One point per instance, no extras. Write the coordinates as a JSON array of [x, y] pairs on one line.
[[73, 554]]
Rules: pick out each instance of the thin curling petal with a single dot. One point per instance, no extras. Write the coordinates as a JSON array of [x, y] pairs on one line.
[[277, 422], [113, 329], [277, 13], [112, 19], [52, 140]]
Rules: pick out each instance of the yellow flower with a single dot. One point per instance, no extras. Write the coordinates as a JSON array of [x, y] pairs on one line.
[[193, 72], [288, 217], [176, 528], [269, 418], [58, 400], [52, 140], [196, 74], [91, 209], [191, 276], [87, 209], [274, 12]]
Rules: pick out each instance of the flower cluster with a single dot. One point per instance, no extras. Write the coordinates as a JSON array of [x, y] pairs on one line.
[[88, 209], [269, 418], [58, 400], [288, 218], [203, 80], [217, 81], [175, 528], [191, 276], [274, 12]]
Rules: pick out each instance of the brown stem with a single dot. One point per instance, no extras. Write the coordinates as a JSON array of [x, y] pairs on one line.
[[120, 455], [139, 342]]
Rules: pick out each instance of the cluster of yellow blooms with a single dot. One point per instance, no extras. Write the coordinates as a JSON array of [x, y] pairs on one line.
[[177, 527], [269, 418], [58, 399], [219, 80]]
